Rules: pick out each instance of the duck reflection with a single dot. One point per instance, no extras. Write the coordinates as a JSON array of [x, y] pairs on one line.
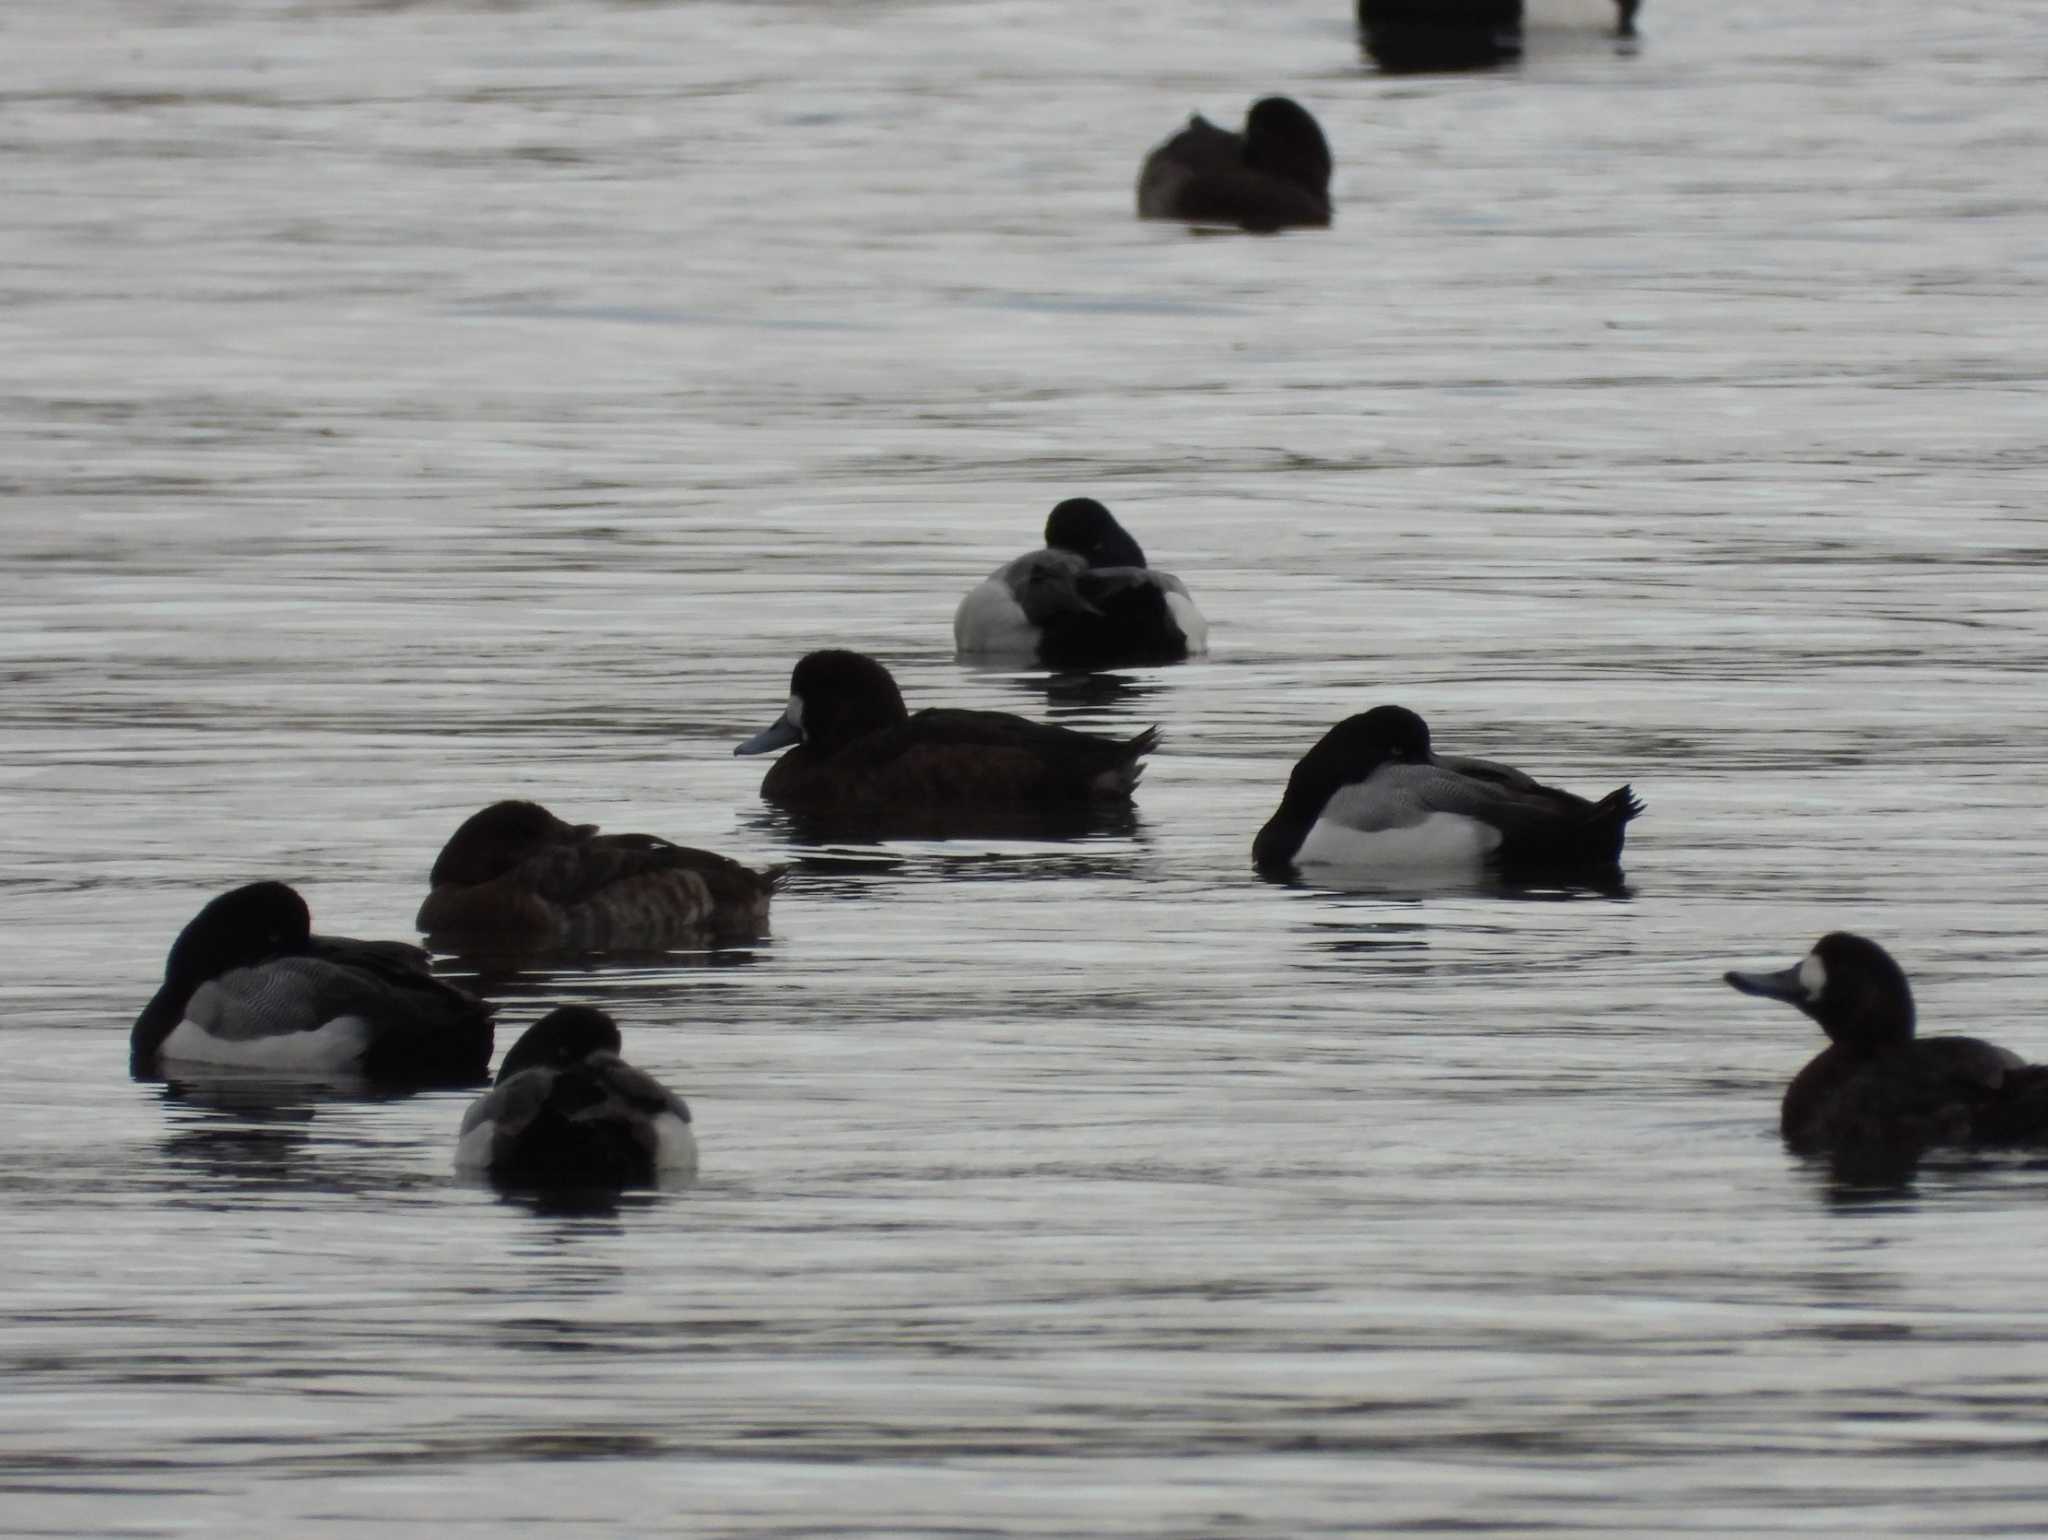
[[235, 1131], [1078, 693], [1048, 848], [502, 976], [1865, 1177], [1049, 825], [1419, 885]]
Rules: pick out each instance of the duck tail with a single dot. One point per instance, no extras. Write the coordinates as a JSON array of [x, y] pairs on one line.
[[1607, 824], [2018, 1113], [1121, 776]]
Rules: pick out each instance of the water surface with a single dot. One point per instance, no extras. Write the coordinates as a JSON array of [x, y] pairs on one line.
[[408, 406]]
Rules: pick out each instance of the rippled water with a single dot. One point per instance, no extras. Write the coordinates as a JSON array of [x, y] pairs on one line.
[[410, 405]]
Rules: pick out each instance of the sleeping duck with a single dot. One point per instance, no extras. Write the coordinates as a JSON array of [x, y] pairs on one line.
[[515, 875], [247, 985], [1373, 793], [856, 750], [1087, 600], [1273, 175], [1877, 1090], [568, 1112]]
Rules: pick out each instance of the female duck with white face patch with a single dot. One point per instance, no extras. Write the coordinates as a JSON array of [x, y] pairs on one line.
[[1878, 1091], [1374, 794]]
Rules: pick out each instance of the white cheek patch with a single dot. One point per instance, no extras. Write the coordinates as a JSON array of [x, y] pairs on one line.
[[793, 713], [1813, 976]]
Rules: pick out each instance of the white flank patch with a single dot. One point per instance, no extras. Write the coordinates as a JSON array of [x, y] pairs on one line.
[[1813, 976], [675, 1147], [336, 1044], [1446, 841], [991, 620], [1189, 619], [473, 1151]]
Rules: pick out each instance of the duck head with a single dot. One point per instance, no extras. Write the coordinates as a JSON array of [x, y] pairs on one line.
[[1849, 984], [1345, 755], [239, 929], [1089, 530], [499, 838], [835, 697], [1281, 139], [567, 1035]]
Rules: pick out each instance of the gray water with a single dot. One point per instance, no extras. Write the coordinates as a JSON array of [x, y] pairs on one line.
[[406, 406]]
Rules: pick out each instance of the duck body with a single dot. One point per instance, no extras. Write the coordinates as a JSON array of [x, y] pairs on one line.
[[854, 749], [514, 875], [248, 986], [567, 1112], [1373, 793], [1086, 600], [1274, 175], [1878, 1091], [1405, 36]]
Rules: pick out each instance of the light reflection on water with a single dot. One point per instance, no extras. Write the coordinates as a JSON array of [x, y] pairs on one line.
[[511, 425]]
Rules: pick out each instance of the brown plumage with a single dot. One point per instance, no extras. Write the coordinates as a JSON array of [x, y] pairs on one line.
[[1878, 1096], [515, 875], [1273, 175], [859, 752]]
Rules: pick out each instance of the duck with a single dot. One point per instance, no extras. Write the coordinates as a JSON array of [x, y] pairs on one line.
[[1877, 1088], [514, 875], [1274, 175], [1372, 792], [1087, 600], [567, 1111], [856, 750], [1414, 35], [248, 985]]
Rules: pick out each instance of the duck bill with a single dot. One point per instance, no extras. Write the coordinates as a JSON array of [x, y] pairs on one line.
[[778, 734], [1784, 985]]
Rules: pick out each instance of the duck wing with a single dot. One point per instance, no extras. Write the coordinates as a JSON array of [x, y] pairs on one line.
[[511, 1105], [1204, 146], [638, 1090], [572, 874], [2018, 1113], [426, 1031], [1125, 619], [588, 1124], [1046, 584], [944, 756], [1932, 1091], [1540, 826], [1253, 200]]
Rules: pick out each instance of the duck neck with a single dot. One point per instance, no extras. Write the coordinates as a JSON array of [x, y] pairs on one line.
[[159, 1019]]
